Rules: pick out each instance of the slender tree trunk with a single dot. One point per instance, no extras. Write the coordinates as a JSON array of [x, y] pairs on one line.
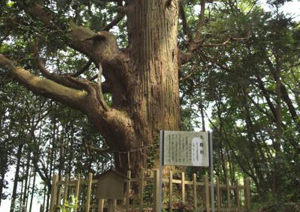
[[28, 190], [32, 191], [2, 180], [52, 161], [277, 175], [21, 195], [27, 178], [16, 179], [3, 172]]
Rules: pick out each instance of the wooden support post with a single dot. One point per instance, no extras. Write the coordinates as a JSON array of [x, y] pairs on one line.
[[77, 189], [100, 205], [66, 189], [183, 187], [219, 200], [142, 191], [114, 205], [89, 191], [111, 205], [170, 191], [247, 195], [53, 193], [128, 190], [206, 188], [156, 191], [237, 196], [195, 190], [228, 194]]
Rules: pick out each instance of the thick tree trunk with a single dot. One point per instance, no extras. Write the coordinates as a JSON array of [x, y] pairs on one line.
[[154, 97]]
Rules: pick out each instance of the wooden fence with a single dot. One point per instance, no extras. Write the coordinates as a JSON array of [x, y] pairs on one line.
[[141, 194]]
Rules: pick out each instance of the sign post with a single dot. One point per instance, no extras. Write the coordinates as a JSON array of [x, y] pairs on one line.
[[185, 149]]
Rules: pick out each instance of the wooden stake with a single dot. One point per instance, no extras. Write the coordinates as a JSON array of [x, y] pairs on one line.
[[53, 193], [183, 187], [228, 194], [128, 190], [206, 187], [142, 191], [247, 194], [237, 196], [100, 205], [66, 189], [219, 200], [89, 191], [77, 189], [156, 191], [195, 190], [170, 190]]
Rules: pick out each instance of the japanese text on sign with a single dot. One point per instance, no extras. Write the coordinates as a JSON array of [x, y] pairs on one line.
[[185, 148]]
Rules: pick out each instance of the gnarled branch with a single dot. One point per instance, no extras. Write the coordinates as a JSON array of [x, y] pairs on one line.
[[45, 87]]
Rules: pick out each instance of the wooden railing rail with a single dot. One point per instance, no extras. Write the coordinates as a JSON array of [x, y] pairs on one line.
[[142, 193]]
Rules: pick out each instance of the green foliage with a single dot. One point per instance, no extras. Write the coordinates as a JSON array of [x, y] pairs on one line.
[[237, 84], [70, 205]]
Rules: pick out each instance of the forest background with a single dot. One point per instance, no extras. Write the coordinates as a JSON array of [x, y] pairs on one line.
[[243, 84]]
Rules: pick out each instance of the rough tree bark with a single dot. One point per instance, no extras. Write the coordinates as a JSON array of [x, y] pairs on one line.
[[143, 79]]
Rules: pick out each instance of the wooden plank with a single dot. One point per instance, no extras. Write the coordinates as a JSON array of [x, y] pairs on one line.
[[128, 190], [247, 194], [156, 191], [195, 190], [88, 194], [183, 187], [206, 189], [67, 178], [237, 197], [228, 194], [77, 189], [53, 192], [142, 190], [170, 191], [219, 200], [100, 205]]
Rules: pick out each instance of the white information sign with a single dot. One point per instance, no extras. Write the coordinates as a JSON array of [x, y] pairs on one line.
[[185, 148]]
